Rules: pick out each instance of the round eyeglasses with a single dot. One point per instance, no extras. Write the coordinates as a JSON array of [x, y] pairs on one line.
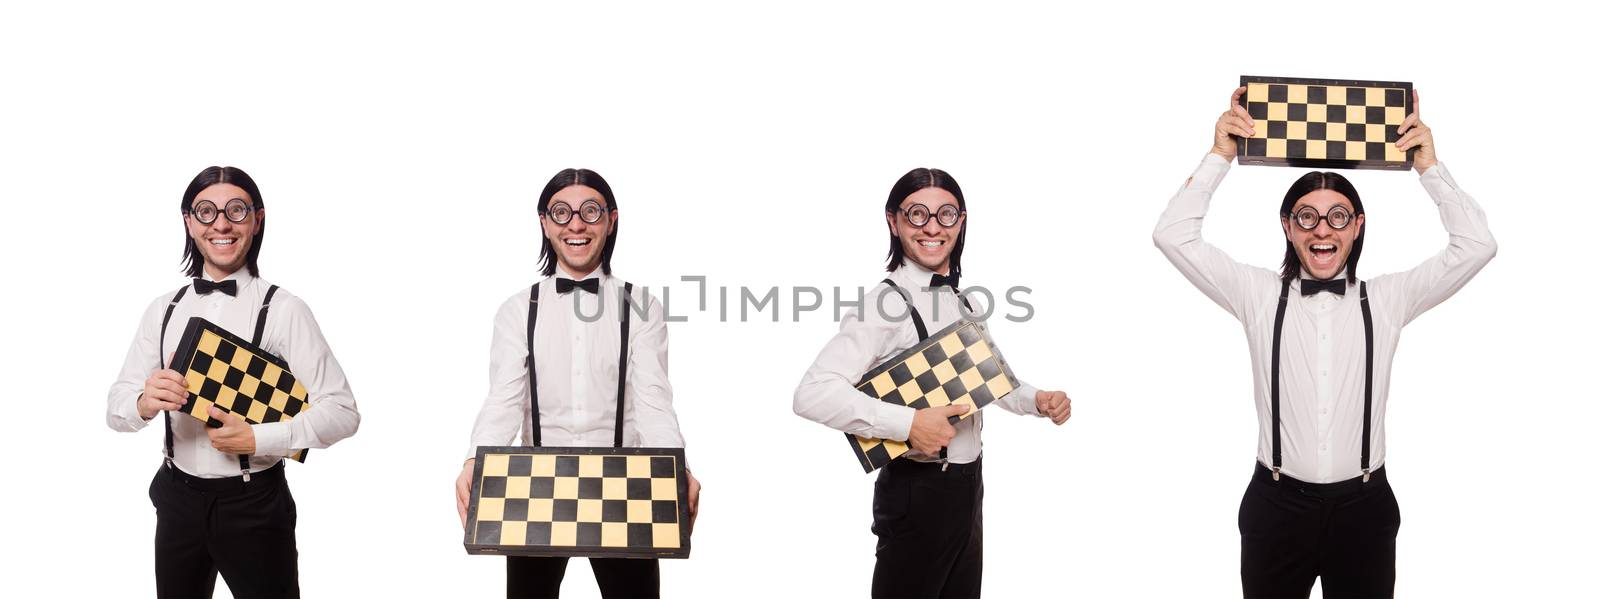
[[590, 211], [918, 215], [1307, 217], [236, 210]]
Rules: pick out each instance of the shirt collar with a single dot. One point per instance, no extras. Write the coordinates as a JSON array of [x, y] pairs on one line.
[[242, 276], [912, 275], [1295, 286], [598, 273]]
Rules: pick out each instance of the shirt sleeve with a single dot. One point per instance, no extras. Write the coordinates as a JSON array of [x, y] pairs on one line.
[[1230, 284], [122, 402], [827, 393], [1469, 248], [1021, 400], [648, 391], [503, 410], [331, 415]]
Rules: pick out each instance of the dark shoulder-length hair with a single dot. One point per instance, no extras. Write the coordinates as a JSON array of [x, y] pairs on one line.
[[1313, 181], [913, 181], [564, 179], [194, 262]]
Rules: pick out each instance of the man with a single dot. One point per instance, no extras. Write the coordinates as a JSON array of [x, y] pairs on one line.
[[577, 340], [217, 511], [931, 546], [1321, 345]]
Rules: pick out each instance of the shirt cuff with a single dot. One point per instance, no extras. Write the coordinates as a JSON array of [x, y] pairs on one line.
[[1028, 396], [894, 421], [272, 439], [1209, 174], [130, 414]]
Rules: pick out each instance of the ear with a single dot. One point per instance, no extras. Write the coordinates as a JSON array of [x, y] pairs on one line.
[[888, 217], [615, 214], [1284, 220], [1361, 222], [261, 221]]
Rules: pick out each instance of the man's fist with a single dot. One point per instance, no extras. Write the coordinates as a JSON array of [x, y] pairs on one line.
[[931, 430], [1054, 404]]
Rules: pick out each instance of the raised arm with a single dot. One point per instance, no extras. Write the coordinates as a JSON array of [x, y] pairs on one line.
[[1469, 248], [1228, 283]]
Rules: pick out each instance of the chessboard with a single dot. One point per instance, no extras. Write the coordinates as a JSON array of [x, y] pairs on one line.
[[579, 502], [1325, 123], [958, 365], [222, 370]]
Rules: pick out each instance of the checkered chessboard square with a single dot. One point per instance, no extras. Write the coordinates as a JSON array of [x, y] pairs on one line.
[[1325, 123], [578, 501], [959, 365], [235, 376]]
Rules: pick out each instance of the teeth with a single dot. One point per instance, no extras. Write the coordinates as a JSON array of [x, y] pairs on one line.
[[577, 242], [1322, 247], [222, 242], [931, 244]]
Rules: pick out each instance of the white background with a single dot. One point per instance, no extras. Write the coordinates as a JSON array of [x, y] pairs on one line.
[[400, 148]]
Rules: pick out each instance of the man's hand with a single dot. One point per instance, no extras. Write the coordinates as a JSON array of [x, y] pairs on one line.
[[235, 436], [1414, 134], [464, 490], [1236, 121], [1054, 404], [694, 499], [931, 430], [164, 391]]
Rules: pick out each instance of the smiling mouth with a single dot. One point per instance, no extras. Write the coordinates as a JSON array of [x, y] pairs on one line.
[[575, 242], [1322, 252], [931, 243], [222, 241]]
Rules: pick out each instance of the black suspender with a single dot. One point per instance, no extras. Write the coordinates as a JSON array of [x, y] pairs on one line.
[[622, 357], [533, 377], [922, 335], [622, 364], [1277, 341], [161, 347], [161, 342], [916, 319], [1366, 408]]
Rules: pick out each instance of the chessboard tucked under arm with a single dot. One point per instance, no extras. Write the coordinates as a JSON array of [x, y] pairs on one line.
[[579, 502], [1325, 123], [225, 371], [958, 365]]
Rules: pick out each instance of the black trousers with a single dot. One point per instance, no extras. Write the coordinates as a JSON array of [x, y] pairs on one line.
[[929, 522], [243, 530], [619, 578], [1291, 532]]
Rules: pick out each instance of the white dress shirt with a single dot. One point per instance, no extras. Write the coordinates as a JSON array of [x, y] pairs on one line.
[[291, 333], [576, 362], [869, 336], [1323, 346]]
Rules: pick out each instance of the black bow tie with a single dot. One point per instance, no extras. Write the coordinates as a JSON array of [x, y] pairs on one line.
[[944, 281], [564, 286], [1312, 286], [204, 287]]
